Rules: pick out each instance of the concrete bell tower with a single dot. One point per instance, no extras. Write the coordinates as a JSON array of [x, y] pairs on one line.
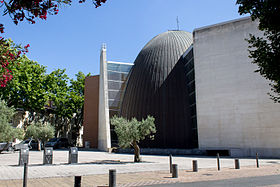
[[104, 136]]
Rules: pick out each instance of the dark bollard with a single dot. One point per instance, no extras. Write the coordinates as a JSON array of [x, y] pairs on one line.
[[112, 178], [48, 155], [23, 156], [257, 160], [170, 163], [218, 161], [174, 171], [237, 165], [195, 168], [73, 155], [25, 171], [77, 182]]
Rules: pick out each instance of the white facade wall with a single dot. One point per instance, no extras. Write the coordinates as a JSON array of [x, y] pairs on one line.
[[234, 111]]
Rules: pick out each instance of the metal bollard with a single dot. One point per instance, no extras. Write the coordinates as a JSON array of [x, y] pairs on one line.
[[257, 160], [170, 163], [237, 165], [77, 182], [73, 155], [174, 171], [48, 155], [218, 161], [23, 156], [112, 178], [25, 171], [195, 168]]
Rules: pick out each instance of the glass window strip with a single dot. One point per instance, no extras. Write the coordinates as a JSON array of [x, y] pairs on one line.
[[120, 90], [121, 72], [109, 80]]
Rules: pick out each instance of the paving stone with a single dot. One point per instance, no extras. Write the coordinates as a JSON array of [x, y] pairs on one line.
[[94, 167]]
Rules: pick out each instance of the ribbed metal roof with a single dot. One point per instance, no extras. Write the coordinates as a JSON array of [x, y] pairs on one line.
[[157, 59], [157, 85], [160, 55]]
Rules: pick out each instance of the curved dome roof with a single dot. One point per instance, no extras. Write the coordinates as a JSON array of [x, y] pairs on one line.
[[162, 53], [156, 81]]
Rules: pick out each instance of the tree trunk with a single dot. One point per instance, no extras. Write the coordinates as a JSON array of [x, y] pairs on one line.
[[39, 145], [136, 152]]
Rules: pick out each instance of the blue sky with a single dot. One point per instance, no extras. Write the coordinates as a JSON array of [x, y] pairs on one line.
[[73, 38]]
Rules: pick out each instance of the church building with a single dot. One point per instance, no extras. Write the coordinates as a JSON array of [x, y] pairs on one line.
[[200, 87]]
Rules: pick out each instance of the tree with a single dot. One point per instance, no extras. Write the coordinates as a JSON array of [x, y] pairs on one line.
[[265, 51], [76, 103], [68, 102], [7, 132], [131, 132], [27, 90], [57, 86], [52, 98], [9, 56], [40, 132]]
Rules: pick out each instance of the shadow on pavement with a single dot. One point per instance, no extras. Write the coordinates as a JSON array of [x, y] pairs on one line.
[[109, 162]]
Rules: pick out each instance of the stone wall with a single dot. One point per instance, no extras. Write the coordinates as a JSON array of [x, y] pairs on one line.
[[234, 111]]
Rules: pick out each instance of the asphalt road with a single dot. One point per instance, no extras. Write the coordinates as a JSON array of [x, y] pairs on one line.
[[237, 182]]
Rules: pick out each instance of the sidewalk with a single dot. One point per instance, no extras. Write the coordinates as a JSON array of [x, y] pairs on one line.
[[94, 167], [150, 178]]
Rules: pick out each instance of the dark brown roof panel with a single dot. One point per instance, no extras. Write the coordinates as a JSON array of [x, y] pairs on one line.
[[157, 87]]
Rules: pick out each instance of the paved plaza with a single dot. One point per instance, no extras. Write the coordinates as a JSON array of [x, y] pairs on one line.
[[94, 167]]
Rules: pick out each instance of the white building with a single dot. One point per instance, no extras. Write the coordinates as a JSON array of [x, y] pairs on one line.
[[234, 111]]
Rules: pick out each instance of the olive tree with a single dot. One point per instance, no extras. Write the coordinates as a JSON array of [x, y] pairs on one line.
[[40, 132], [7, 131], [131, 132]]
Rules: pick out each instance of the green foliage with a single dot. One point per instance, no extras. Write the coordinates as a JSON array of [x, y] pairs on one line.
[[52, 98], [10, 54], [76, 102], [56, 83], [39, 131], [7, 132], [267, 11], [68, 101], [27, 89], [265, 52], [129, 131]]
